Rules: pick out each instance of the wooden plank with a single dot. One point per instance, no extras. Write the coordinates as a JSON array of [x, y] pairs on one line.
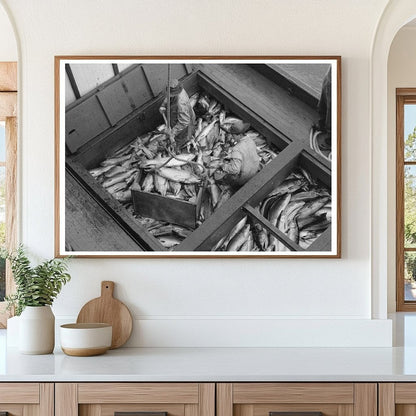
[[164, 208], [301, 80], [253, 213], [47, 399], [136, 86], [66, 399], [138, 393], [405, 393], [241, 110], [115, 102], [27, 393], [118, 213], [191, 410], [8, 105], [207, 399], [88, 226], [84, 122], [157, 75], [386, 399], [88, 77], [8, 76], [224, 399], [286, 113], [345, 410], [226, 216], [405, 410], [140, 121], [252, 393], [323, 242], [365, 399]]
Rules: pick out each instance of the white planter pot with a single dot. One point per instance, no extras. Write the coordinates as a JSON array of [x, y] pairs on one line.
[[12, 334], [37, 330]]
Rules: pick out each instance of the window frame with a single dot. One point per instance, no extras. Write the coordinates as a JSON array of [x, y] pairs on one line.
[[8, 113]]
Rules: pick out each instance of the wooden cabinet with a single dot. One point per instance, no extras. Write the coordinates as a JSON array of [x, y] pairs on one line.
[[397, 399], [26, 399], [106, 399], [296, 399]]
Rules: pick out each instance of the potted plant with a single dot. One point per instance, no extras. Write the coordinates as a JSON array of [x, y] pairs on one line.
[[36, 289]]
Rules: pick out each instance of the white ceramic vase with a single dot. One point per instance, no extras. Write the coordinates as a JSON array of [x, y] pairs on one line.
[[37, 330]]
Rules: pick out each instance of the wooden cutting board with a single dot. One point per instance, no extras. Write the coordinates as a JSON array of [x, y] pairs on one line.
[[107, 309]]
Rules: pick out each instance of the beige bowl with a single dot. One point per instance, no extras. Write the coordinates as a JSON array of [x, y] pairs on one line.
[[83, 340]]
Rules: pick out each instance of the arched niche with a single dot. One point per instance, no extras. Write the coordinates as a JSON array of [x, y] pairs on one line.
[[395, 16]]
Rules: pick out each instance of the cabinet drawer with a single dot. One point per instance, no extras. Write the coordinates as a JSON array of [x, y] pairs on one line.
[[397, 399], [297, 399], [145, 399]]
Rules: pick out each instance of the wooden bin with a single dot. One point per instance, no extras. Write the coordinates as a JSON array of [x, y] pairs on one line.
[[147, 117]]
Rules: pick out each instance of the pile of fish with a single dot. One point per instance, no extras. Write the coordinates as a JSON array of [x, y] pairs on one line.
[[146, 164], [299, 207]]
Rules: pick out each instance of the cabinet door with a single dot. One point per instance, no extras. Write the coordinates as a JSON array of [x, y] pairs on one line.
[[141, 399], [26, 399], [397, 399], [297, 399]]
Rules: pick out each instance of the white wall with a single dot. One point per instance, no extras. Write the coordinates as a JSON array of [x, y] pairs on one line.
[[401, 74], [201, 302], [8, 47]]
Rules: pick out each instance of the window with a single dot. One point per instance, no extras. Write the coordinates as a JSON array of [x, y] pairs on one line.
[[8, 165]]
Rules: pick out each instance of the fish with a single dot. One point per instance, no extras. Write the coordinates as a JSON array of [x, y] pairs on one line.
[[224, 196], [198, 127], [120, 186], [126, 149], [214, 192], [239, 239], [202, 138], [199, 168], [190, 190], [118, 178], [327, 211], [115, 160], [293, 232], [312, 206], [260, 236], [219, 244], [320, 226], [123, 196], [115, 170], [175, 187], [202, 105], [305, 196], [99, 171], [234, 125], [288, 186], [178, 175], [248, 244], [213, 102], [288, 214], [148, 183], [169, 241], [235, 230], [304, 222], [161, 184], [169, 161], [277, 208], [193, 99], [307, 176]]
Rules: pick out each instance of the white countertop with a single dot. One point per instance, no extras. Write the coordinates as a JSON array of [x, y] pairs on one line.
[[222, 364], [216, 364]]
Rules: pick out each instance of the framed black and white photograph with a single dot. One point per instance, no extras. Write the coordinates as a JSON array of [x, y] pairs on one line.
[[198, 156]]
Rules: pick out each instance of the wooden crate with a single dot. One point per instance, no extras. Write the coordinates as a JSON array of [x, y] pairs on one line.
[[293, 153]]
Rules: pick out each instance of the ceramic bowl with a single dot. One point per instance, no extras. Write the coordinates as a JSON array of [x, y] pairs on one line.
[[84, 340]]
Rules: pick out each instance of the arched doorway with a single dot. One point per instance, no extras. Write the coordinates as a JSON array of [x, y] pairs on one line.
[[395, 16]]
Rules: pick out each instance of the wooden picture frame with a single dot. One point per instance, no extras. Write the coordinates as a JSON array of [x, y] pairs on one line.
[[288, 107]]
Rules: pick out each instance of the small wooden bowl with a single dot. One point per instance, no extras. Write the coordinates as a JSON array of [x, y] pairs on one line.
[[84, 340]]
